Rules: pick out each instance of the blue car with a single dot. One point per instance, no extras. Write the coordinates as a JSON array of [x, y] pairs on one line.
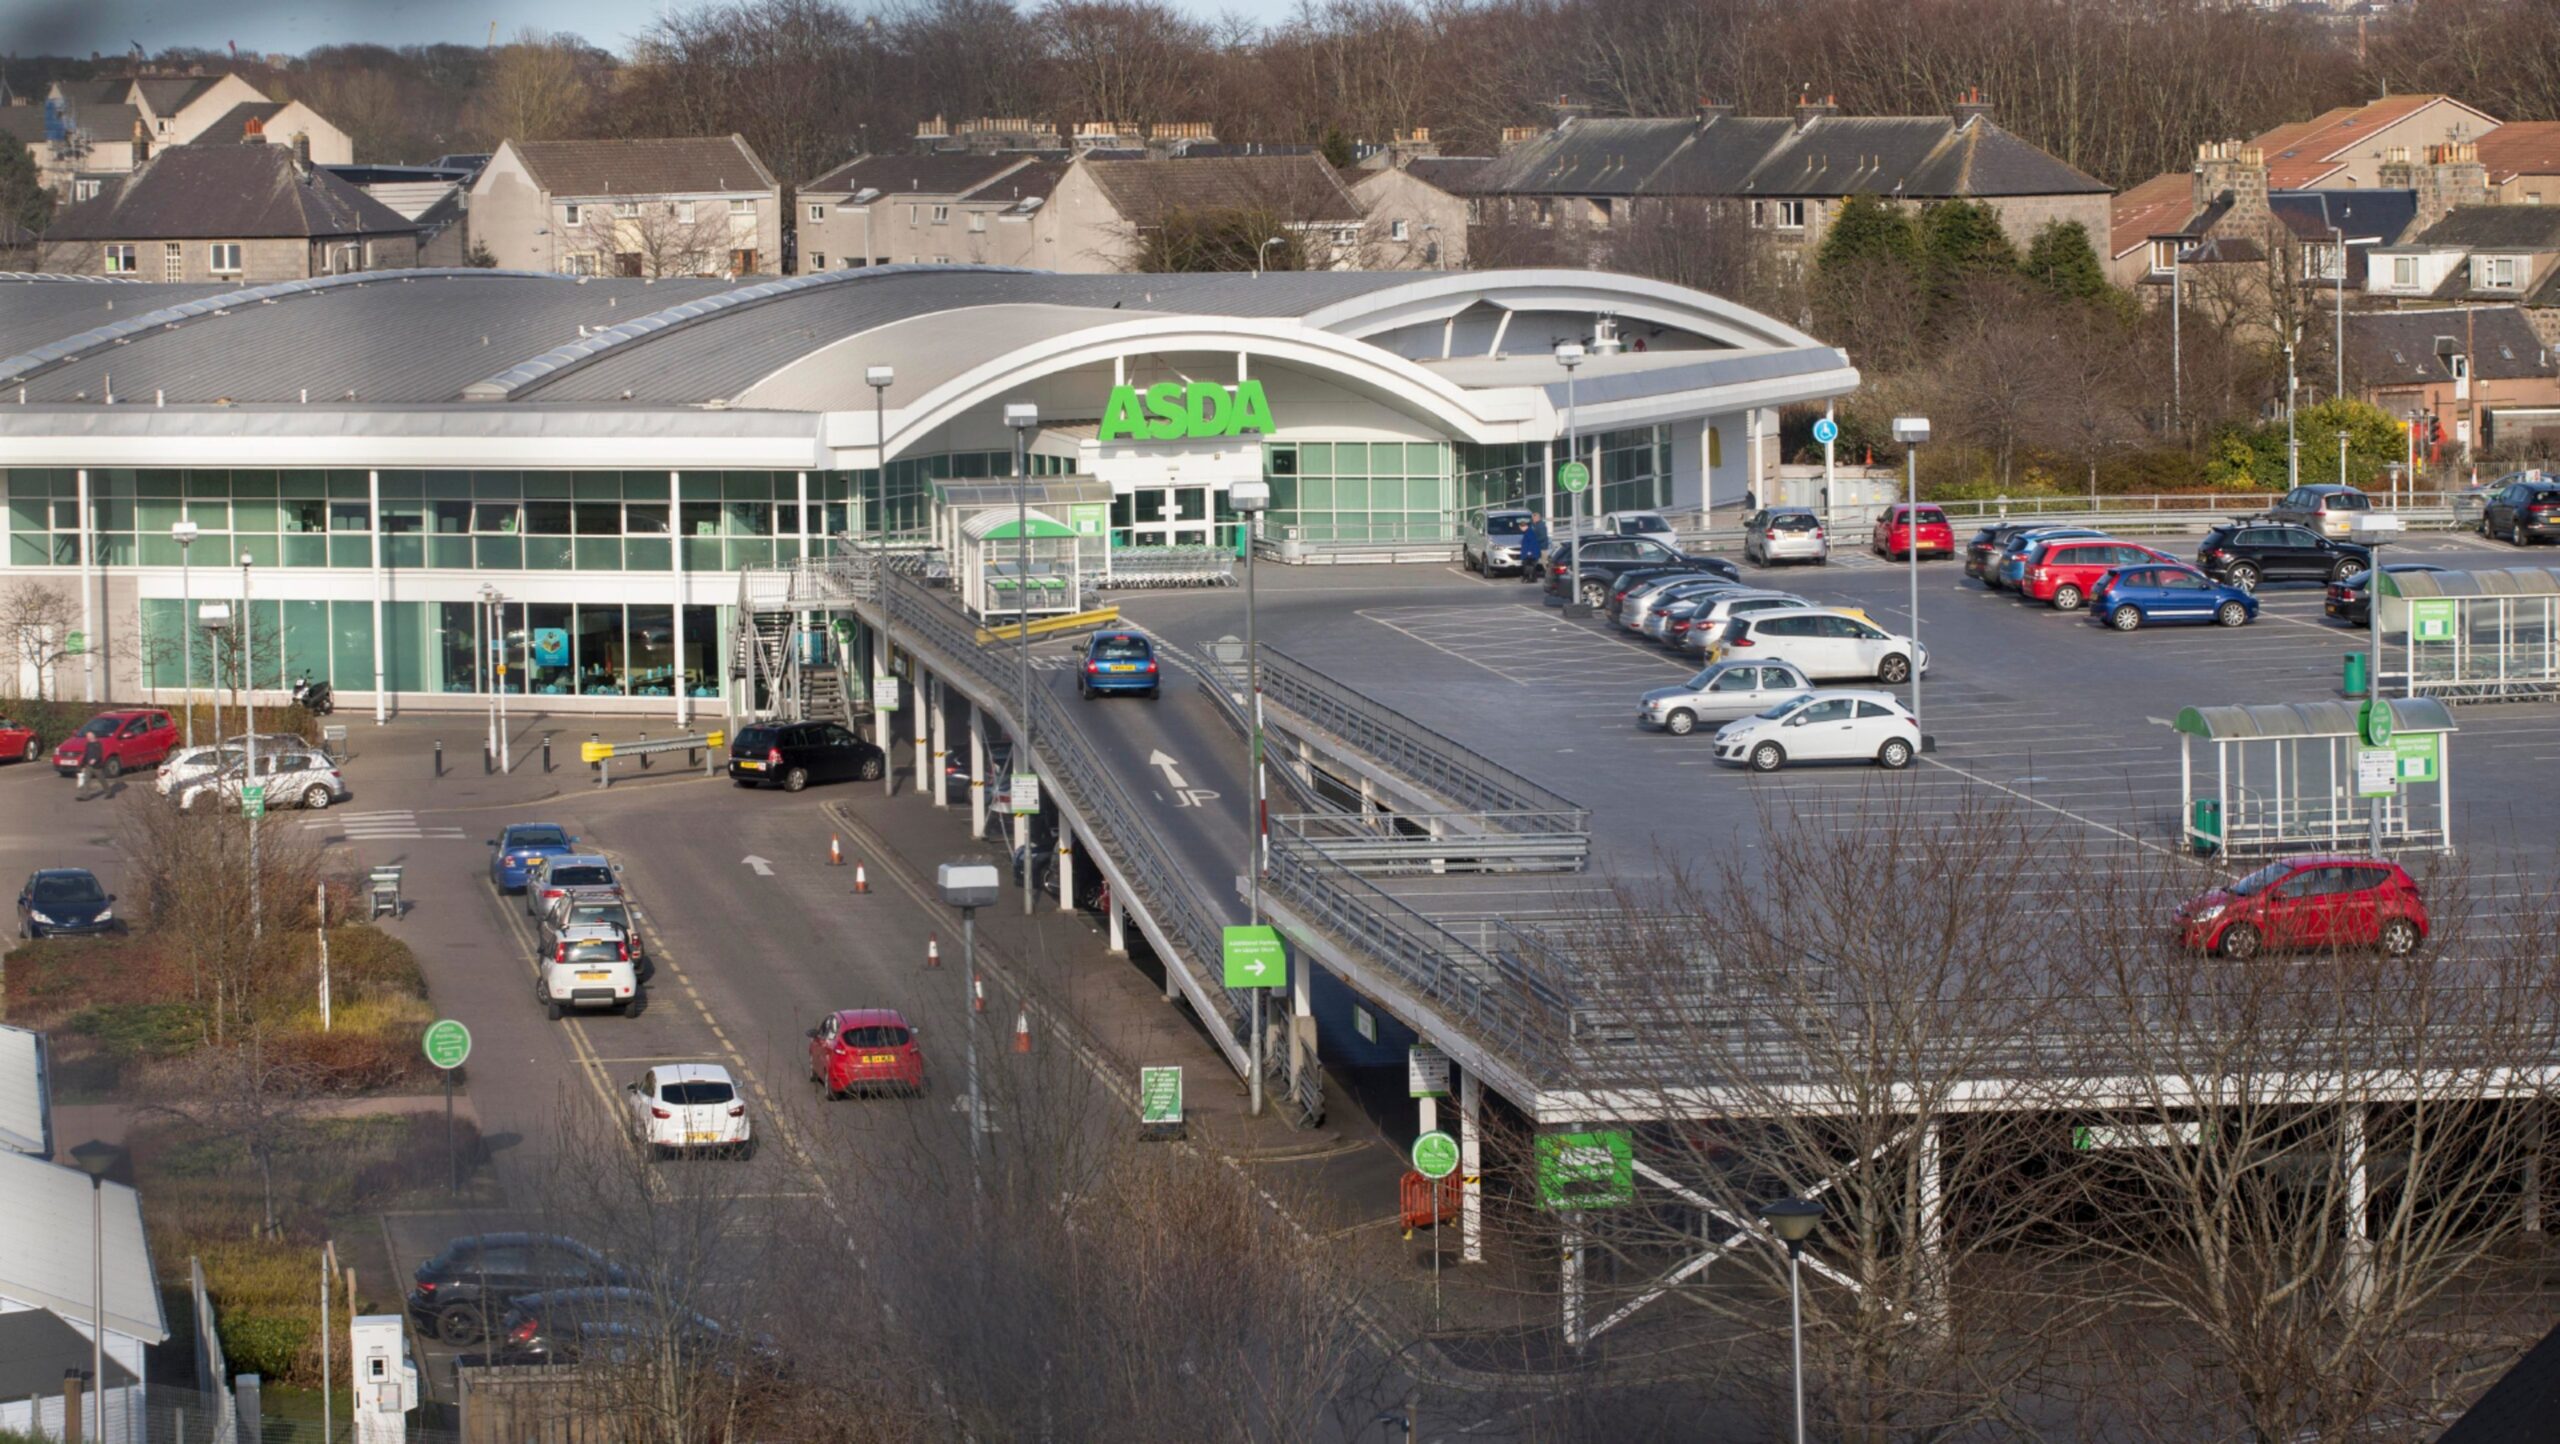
[[520, 843], [2127, 597], [1120, 662], [2008, 570]]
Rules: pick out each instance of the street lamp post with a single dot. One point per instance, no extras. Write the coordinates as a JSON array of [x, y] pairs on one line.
[[1261, 250], [1911, 431], [94, 1158], [1570, 356], [880, 378], [2342, 456], [2177, 338], [501, 746], [970, 886], [184, 534], [1793, 1220], [1022, 416], [2373, 530], [2339, 233], [1250, 499], [249, 728], [2292, 447]]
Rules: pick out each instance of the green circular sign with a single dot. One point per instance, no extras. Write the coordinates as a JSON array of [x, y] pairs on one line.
[[1573, 476], [1435, 1155], [447, 1043], [2377, 723]]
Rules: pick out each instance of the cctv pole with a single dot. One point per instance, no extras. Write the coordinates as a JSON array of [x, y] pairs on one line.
[[880, 379], [2177, 343], [2292, 447], [1569, 356], [184, 533], [249, 726], [1022, 416], [1911, 560], [1249, 499], [977, 1110]]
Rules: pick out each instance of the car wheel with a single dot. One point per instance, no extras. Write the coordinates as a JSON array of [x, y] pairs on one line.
[[1594, 594], [795, 779], [1680, 723], [2231, 614], [2347, 567], [1085, 690], [114, 767], [1894, 670], [872, 767], [459, 1327], [2066, 598], [2399, 937], [317, 799], [2245, 577], [1894, 755], [2239, 941], [32, 751], [2125, 618], [1768, 757], [553, 1010]]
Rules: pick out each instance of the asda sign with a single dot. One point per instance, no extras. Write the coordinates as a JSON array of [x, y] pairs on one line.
[[1173, 411]]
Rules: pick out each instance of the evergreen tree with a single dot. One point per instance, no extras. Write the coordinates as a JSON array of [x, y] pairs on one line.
[[1867, 231], [1866, 283], [2063, 264], [24, 202], [1960, 240]]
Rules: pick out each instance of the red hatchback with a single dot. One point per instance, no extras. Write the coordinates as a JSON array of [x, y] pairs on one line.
[[130, 741], [18, 741], [2065, 572], [859, 1048], [2309, 902], [1895, 531]]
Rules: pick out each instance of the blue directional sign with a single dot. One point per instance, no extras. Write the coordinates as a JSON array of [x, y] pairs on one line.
[[1826, 430]]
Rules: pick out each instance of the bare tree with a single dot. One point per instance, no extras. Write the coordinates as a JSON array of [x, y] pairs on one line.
[[243, 1095], [658, 238], [539, 89], [41, 622], [1124, 61]]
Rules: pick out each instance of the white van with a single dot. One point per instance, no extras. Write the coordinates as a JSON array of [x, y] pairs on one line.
[[1640, 523]]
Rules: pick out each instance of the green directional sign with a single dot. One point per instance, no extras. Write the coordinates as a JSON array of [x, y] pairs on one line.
[[2375, 722], [1586, 1170], [2421, 755], [253, 800], [76, 644], [1255, 958], [1573, 476], [2431, 619], [1435, 1155], [447, 1043], [1159, 1096]]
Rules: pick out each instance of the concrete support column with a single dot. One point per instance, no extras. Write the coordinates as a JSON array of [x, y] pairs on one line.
[[1066, 867], [381, 690], [1574, 1335], [2352, 1171], [683, 685], [1120, 936], [919, 681], [2535, 1139], [977, 776], [1470, 1168], [1426, 1115], [941, 749], [89, 602]]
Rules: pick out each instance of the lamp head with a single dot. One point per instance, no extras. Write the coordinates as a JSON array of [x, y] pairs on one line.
[[1570, 354], [1021, 415], [184, 532], [1792, 1219], [96, 1156], [1911, 430], [1249, 497], [967, 884], [879, 376]]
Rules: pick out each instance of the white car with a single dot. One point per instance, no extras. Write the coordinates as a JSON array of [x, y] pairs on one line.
[[1648, 524], [1828, 644], [586, 967], [190, 765], [683, 1107], [1707, 618], [296, 777], [1823, 727]]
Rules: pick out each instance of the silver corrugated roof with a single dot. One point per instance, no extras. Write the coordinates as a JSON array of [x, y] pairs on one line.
[[45, 1249], [2278, 720], [2498, 582], [38, 310]]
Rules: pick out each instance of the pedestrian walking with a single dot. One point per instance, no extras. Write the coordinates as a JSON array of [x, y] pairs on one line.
[[93, 760], [1533, 547]]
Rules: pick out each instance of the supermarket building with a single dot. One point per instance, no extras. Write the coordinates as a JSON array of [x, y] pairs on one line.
[[607, 456]]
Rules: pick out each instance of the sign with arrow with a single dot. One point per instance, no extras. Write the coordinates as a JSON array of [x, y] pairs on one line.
[[1255, 958], [1435, 1155], [447, 1044], [763, 867], [1573, 476]]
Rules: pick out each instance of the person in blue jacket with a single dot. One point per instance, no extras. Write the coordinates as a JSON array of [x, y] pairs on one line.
[[1533, 545]]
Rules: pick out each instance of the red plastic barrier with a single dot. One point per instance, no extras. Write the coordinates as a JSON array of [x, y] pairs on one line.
[[1420, 1208]]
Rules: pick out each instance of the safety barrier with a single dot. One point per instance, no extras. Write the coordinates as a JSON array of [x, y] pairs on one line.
[[1174, 566], [600, 754], [1392, 844]]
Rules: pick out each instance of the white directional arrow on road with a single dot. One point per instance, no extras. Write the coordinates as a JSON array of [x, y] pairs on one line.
[[1172, 777], [763, 868]]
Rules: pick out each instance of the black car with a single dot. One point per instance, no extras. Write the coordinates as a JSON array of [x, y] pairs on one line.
[[461, 1292], [1982, 553], [625, 1325], [61, 902], [1635, 579], [791, 755], [1603, 558], [2351, 600], [2524, 512], [2245, 553]]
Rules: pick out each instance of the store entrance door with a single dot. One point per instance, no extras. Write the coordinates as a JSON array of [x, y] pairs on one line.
[[1155, 516]]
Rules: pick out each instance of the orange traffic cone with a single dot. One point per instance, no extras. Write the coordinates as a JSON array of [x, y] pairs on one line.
[[933, 952], [1022, 1031], [835, 850], [861, 879]]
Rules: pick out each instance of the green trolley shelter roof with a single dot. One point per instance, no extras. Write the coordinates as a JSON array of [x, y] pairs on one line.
[[2284, 721], [2499, 582], [1054, 491], [1005, 526]]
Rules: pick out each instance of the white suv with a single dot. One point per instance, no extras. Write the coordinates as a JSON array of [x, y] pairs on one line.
[[1828, 644], [294, 777], [588, 968]]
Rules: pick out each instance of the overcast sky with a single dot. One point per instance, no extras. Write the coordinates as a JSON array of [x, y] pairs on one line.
[[76, 27]]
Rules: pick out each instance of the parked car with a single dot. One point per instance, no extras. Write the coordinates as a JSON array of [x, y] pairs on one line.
[[65, 902], [1636, 608], [2009, 567], [2524, 512], [791, 755], [1705, 619], [1785, 534], [1823, 727], [2062, 572], [189, 765], [301, 777], [2351, 601], [1635, 579], [518, 846], [859, 1048], [1648, 524], [2328, 508], [2168, 591], [1825, 643], [1491, 545], [2309, 902], [1982, 551], [590, 907], [677, 1107], [1604, 557], [1120, 661], [18, 741], [955, 771], [547, 878], [130, 739], [1725, 692], [628, 1326], [468, 1286], [2245, 553], [589, 969], [1904, 527]]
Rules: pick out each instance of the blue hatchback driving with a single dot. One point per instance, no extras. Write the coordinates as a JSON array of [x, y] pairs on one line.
[[1119, 662], [2128, 597], [515, 847]]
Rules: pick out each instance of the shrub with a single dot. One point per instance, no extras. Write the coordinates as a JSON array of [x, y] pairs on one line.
[[128, 1031], [272, 1345]]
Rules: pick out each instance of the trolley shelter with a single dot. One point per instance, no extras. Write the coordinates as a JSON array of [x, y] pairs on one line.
[[991, 565], [2286, 776], [2477, 635]]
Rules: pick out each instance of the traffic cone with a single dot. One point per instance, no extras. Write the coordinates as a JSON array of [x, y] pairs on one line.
[[861, 879], [977, 995], [1022, 1031], [933, 952], [835, 850]]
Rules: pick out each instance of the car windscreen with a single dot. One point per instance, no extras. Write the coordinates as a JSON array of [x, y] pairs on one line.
[[537, 837], [1506, 525], [609, 915], [595, 950], [99, 727], [880, 1036], [587, 876], [2346, 501], [1931, 516], [1793, 521], [696, 1093], [1789, 705], [2264, 878], [71, 892], [1120, 649]]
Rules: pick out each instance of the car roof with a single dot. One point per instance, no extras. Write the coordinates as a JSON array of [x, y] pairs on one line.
[[870, 1018], [1815, 610], [582, 859], [1116, 635], [2326, 488], [62, 872], [591, 933], [693, 1073], [527, 826]]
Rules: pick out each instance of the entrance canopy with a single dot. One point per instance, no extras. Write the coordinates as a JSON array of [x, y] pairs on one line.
[[2285, 776]]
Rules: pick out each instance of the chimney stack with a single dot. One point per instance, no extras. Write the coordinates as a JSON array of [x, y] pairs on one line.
[[302, 149], [141, 141], [2230, 167], [1712, 110], [2450, 175], [1809, 110], [254, 133], [1972, 108]]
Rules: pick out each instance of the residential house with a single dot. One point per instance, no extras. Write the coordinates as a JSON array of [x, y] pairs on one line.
[[231, 214], [2476, 376], [1418, 211], [46, 1263], [1793, 173], [2523, 157], [2345, 148], [1104, 210], [958, 207], [435, 196], [92, 130], [678, 206], [2508, 254]]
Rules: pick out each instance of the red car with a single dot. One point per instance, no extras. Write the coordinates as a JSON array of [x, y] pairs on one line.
[[1894, 531], [18, 741], [859, 1048], [2065, 572], [131, 741], [2309, 902]]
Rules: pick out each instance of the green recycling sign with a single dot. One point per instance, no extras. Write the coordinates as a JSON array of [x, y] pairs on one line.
[[2432, 619], [1435, 1155]]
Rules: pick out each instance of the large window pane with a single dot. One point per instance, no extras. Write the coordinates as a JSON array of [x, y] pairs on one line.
[[351, 644], [646, 554], [497, 518], [599, 554], [296, 514], [600, 660], [350, 516], [306, 551], [546, 518], [598, 518], [653, 651], [457, 646], [699, 658], [547, 634], [641, 518], [306, 642], [404, 652]]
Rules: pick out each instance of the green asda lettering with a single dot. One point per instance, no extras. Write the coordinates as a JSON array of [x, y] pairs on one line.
[[1172, 411]]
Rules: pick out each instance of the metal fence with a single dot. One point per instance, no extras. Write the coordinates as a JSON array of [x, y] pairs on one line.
[[1406, 843], [1170, 566]]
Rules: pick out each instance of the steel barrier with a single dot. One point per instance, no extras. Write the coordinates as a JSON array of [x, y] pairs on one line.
[[1402, 843], [1173, 566]]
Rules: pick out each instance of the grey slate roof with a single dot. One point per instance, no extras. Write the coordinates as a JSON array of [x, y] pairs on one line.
[[45, 1250], [1455, 174], [2311, 215], [104, 120], [169, 94], [22, 123], [2399, 347], [233, 124], [2496, 228], [37, 1347], [26, 1098], [1924, 157], [680, 165], [950, 173], [1301, 188], [226, 192]]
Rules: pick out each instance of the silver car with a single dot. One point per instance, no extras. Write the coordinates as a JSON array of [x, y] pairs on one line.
[[1659, 623], [1724, 692], [1707, 623], [1785, 534], [1645, 603], [303, 777], [1492, 543]]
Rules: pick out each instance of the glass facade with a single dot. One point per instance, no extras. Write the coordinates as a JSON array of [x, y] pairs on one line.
[[1632, 469], [1360, 490]]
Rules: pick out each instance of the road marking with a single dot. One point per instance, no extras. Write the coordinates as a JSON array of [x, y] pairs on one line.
[[763, 868], [1172, 773], [377, 826]]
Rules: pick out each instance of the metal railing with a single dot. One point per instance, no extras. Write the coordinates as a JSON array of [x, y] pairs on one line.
[[1402, 844], [1170, 566]]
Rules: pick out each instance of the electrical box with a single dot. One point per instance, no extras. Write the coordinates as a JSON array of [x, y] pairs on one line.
[[386, 1381]]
